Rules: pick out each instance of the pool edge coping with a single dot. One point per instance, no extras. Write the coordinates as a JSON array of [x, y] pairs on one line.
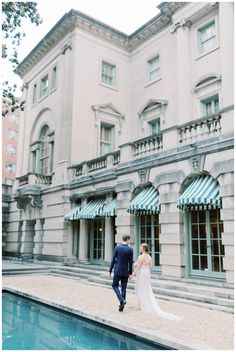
[[167, 341]]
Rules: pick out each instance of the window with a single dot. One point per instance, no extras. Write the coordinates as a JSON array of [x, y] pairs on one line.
[[154, 126], [207, 37], [44, 151], [44, 86], [106, 139], [153, 69], [14, 118], [108, 74], [34, 161], [11, 149], [54, 78], [210, 105], [148, 230], [34, 100], [11, 167], [12, 134], [51, 155], [206, 248]]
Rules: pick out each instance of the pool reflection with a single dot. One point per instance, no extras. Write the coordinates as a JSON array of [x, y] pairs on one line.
[[32, 326]]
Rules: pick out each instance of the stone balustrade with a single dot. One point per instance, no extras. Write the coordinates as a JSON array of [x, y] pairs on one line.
[[34, 179], [87, 167], [148, 144], [197, 130]]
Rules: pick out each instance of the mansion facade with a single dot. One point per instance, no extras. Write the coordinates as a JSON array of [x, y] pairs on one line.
[[129, 134]]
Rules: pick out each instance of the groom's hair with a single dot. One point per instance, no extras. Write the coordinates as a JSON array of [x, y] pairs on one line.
[[125, 237]]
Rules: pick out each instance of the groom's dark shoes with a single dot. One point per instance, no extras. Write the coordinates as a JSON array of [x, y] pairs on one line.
[[121, 306]]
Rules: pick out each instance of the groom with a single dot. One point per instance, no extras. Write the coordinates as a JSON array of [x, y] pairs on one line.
[[123, 260]]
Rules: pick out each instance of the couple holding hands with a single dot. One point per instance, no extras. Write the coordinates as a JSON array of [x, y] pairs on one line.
[[122, 259]]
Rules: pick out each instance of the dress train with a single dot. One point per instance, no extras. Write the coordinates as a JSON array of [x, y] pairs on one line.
[[146, 299]]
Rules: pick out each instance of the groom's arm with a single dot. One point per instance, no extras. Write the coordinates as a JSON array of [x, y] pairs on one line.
[[130, 262], [113, 259]]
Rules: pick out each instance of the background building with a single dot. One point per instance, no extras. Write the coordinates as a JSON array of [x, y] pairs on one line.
[[130, 134], [10, 129]]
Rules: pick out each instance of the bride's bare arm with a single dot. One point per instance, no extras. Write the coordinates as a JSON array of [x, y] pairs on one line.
[[137, 265]]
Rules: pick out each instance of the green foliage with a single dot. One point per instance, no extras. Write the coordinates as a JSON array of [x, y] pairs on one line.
[[13, 15]]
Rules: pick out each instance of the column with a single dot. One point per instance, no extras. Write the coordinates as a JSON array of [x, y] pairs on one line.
[[70, 242], [38, 238], [124, 220], [172, 257], [184, 94], [226, 39], [109, 235], [83, 237], [27, 239]]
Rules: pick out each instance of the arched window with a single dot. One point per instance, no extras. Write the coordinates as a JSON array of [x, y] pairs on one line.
[[44, 151]]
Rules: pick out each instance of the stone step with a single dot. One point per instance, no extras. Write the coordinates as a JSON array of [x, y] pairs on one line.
[[187, 295], [28, 272], [164, 284], [174, 291], [155, 275], [130, 288]]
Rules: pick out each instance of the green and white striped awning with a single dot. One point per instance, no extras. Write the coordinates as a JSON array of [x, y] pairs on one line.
[[146, 202], [202, 194], [73, 214], [92, 209], [110, 208]]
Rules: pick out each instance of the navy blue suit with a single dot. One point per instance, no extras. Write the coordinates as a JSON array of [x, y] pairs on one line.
[[123, 260]]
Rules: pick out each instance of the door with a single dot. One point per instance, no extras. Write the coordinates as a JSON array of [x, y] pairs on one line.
[[97, 244], [205, 245], [149, 232]]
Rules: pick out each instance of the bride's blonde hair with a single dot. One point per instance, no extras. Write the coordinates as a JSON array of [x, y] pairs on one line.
[[145, 247]]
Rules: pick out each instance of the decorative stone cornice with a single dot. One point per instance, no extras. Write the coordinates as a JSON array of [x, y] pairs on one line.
[[76, 19]]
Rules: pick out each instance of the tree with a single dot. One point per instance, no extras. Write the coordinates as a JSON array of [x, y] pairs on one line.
[[13, 15]]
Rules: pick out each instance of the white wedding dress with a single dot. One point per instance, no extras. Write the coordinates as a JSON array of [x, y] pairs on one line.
[[146, 299]]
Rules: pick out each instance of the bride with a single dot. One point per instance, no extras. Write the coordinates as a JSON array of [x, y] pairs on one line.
[[146, 299]]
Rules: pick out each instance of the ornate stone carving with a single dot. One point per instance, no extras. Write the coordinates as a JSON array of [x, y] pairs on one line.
[[197, 163], [144, 175], [66, 47], [183, 23], [75, 19]]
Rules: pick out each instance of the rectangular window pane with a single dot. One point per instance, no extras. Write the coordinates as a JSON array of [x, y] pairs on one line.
[[108, 75], [54, 77], [204, 265], [195, 260], [44, 86], [12, 134], [106, 139], [153, 69], [202, 231], [154, 126], [210, 105], [195, 247], [207, 37], [194, 231]]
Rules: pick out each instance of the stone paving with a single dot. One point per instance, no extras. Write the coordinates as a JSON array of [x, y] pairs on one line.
[[200, 329]]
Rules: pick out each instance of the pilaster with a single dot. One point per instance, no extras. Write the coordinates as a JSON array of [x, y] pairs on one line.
[[124, 220], [172, 257], [83, 237], [226, 182], [38, 238], [183, 72], [27, 238]]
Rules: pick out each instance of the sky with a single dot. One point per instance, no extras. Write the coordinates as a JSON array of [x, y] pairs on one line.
[[125, 15]]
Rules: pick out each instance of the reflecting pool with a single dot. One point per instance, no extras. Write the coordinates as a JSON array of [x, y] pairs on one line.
[[28, 325]]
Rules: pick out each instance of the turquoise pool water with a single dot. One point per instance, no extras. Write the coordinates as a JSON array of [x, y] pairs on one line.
[[28, 325]]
